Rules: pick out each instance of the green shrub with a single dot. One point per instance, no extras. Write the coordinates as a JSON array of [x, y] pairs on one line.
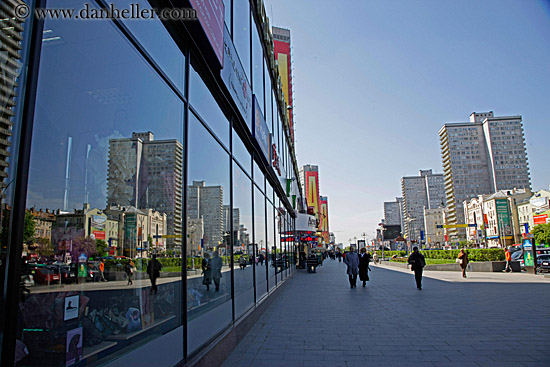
[[491, 254]]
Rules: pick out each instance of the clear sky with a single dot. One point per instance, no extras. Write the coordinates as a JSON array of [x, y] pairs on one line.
[[375, 80]]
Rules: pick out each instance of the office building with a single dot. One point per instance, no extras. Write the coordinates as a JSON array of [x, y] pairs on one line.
[[482, 156], [129, 115], [426, 190], [392, 213]]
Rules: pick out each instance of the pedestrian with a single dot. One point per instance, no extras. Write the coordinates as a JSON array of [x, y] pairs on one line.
[[206, 271], [102, 270], [508, 260], [216, 269], [417, 262], [130, 270], [375, 258], [463, 261], [364, 260], [339, 256], [153, 269], [352, 261]]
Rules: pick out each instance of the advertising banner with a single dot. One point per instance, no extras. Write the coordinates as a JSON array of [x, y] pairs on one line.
[[528, 253], [540, 219], [503, 216], [281, 47], [235, 79], [323, 217], [211, 17], [261, 131], [98, 227], [312, 190]]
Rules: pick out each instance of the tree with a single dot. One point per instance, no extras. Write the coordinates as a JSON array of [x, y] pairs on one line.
[[44, 246], [30, 228], [542, 234], [83, 245], [101, 248]]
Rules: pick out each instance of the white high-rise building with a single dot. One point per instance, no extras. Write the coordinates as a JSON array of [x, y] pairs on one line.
[[427, 190], [392, 213], [482, 156], [206, 203]]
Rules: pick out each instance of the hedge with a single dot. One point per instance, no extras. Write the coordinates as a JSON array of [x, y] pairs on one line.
[[492, 254]]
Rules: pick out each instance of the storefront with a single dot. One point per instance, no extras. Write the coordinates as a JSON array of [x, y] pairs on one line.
[[153, 132]]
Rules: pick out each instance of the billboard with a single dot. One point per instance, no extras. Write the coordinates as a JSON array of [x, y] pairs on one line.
[[260, 131], [211, 17], [540, 219], [98, 227], [323, 218], [312, 190], [281, 46], [503, 216]]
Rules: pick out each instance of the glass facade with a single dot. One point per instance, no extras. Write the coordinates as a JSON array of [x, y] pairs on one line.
[[146, 227]]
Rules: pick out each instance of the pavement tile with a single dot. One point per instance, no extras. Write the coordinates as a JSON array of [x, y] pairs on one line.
[[317, 320]]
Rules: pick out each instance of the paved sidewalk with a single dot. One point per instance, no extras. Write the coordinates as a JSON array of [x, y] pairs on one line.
[[317, 320]]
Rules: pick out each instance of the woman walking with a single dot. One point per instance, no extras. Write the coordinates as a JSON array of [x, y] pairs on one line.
[[352, 261], [364, 260], [463, 261]]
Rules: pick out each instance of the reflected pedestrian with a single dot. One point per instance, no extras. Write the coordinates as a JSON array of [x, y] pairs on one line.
[[508, 260], [216, 269], [463, 261], [153, 269], [206, 271], [102, 271], [130, 270], [375, 258], [364, 260], [417, 262], [352, 261]]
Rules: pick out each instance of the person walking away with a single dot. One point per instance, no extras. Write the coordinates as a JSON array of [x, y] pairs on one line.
[[206, 271], [130, 270], [375, 258], [463, 261], [216, 269], [508, 260], [417, 262], [352, 261], [153, 269], [364, 260], [339, 255], [102, 271]]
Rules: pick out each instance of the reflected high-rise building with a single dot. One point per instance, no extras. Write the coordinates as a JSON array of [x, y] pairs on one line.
[[147, 174], [206, 202]]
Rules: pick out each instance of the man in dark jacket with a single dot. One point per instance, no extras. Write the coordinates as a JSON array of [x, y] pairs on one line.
[[153, 269], [417, 262]]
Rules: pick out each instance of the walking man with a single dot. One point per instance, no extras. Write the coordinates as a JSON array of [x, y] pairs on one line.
[[216, 268], [153, 269], [352, 261], [102, 271], [417, 262], [508, 260], [364, 259]]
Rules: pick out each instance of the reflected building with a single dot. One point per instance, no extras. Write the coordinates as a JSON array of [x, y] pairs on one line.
[[206, 203], [147, 174]]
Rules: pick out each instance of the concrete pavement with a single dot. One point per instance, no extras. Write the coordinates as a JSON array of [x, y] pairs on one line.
[[488, 319]]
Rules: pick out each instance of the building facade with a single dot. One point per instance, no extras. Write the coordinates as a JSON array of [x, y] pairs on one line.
[[490, 149], [121, 118], [423, 191], [392, 213], [434, 237]]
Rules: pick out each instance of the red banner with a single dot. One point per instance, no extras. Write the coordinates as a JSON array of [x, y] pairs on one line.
[[540, 219]]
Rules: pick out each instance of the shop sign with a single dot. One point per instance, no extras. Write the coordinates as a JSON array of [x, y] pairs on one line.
[[305, 223], [275, 158], [540, 219], [211, 17], [261, 132], [235, 79]]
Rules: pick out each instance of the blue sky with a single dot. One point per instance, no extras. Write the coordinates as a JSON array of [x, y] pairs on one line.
[[374, 81]]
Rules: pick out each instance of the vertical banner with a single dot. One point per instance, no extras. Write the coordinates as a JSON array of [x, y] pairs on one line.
[[312, 190], [323, 217]]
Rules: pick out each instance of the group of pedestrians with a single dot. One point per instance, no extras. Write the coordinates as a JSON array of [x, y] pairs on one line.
[[211, 270], [358, 264]]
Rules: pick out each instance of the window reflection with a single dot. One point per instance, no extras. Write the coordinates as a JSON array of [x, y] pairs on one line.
[[240, 153], [260, 243], [270, 244], [241, 32], [258, 68], [243, 249], [105, 195], [208, 234]]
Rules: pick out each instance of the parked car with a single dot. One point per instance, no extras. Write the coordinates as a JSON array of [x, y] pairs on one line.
[[93, 271], [43, 274], [543, 262], [67, 273], [518, 256]]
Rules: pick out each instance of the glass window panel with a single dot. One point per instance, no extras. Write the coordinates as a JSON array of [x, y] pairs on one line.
[[260, 243], [268, 100], [204, 102], [227, 15], [243, 249], [269, 193], [240, 153], [157, 42], [275, 128], [270, 245], [107, 164], [258, 177], [258, 68], [241, 32], [209, 308]]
